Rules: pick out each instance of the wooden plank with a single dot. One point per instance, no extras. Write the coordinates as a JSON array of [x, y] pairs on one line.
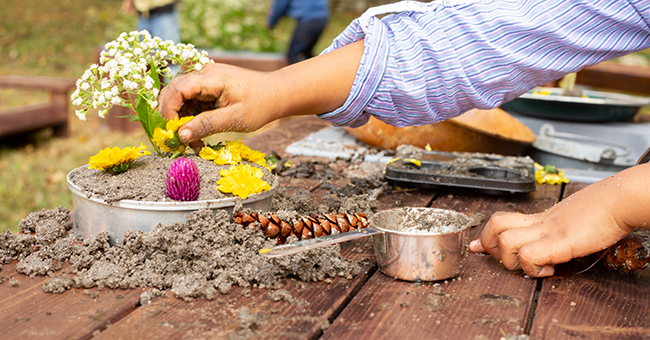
[[277, 139], [28, 118], [616, 76], [316, 306], [596, 304], [253, 61], [33, 117], [481, 302], [406, 198], [26, 312], [62, 85]]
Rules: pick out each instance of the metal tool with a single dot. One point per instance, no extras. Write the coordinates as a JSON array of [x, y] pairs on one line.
[[401, 255]]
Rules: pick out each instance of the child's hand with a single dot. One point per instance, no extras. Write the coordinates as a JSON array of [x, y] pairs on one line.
[[588, 221], [244, 100]]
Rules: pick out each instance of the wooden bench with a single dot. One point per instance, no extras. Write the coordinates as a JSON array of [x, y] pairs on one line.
[[616, 76], [27, 118]]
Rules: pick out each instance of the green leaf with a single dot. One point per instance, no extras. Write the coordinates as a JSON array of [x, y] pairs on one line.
[[550, 169], [132, 118], [149, 118]]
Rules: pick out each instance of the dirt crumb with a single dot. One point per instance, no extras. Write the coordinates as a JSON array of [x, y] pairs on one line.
[[300, 201], [58, 284], [283, 295], [248, 323], [500, 300], [148, 295], [13, 282], [36, 264], [435, 300]]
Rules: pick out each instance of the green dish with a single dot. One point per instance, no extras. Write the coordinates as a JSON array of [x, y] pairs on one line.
[[594, 106]]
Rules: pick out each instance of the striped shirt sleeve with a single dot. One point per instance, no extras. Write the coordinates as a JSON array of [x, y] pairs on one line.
[[426, 62]]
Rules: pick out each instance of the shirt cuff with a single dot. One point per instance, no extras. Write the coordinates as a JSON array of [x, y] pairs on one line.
[[369, 75]]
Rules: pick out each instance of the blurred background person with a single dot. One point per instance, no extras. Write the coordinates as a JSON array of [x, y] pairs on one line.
[[311, 17], [159, 17]]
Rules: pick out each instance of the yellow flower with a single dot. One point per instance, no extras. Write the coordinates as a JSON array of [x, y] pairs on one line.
[[174, 124], [115, 160], [167, 139], [208, 153], [413, 161], [162, 138], [256, 157], [549, 174], [233, 153], [223, 156], [242, 180]]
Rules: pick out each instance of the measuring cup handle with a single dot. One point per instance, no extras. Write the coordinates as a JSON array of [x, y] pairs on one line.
[[319, 242]]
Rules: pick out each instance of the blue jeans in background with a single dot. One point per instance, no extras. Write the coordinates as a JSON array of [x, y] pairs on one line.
[[164, 25], [304, 38]]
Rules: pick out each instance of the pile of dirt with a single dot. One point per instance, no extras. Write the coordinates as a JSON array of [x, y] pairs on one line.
[[197, 259]]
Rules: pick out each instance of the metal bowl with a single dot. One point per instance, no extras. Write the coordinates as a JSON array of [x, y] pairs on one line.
[[419, 256], [93, 215], [595, 107]]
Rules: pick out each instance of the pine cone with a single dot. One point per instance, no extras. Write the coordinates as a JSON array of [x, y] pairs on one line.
[[303, 227], [629, 254]]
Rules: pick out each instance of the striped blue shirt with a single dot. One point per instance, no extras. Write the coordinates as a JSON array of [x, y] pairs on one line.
[[427, 62]]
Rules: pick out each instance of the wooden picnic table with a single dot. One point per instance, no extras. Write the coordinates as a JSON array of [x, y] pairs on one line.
[[485, 301]]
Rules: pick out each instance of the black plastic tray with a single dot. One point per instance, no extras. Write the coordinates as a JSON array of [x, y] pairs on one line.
[[487, 172]]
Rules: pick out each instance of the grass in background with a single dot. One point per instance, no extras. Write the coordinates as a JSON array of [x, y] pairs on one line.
[[59, 38]]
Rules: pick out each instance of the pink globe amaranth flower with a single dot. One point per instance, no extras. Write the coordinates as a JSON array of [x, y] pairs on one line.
[[183, 182]]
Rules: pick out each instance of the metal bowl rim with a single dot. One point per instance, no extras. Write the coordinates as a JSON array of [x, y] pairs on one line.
[[610, 98], [423, 234]]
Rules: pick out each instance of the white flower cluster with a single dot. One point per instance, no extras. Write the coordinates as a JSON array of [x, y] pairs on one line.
[[125, 69]]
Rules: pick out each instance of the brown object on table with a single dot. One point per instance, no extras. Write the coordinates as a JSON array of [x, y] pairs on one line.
[[32, 117], [303, 227], [616, 76], [629, 254], [488, 131]]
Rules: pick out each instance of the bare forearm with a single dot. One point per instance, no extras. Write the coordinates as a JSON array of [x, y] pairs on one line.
[[630, 196], [317, 85]]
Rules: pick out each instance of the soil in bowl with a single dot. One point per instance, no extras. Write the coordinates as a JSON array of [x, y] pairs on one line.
[[430, 221], [145, 180]]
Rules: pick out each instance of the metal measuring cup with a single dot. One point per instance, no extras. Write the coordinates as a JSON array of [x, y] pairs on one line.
[[409, 256]]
